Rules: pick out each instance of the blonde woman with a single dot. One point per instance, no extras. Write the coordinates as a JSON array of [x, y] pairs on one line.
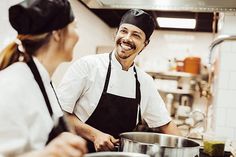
[[31, 120]]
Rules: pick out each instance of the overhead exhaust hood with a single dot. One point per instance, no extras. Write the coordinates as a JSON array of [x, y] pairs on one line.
[[165, 5]]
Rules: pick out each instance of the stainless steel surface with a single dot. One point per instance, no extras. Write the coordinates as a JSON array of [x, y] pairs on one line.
[[219, 40], [166, 5], [115, 154], [165, 145]]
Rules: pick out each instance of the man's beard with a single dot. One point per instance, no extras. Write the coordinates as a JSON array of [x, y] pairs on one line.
[[119, 43]]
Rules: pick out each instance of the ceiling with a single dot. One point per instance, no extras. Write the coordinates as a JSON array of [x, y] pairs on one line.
[[165, 5], [112, 15], [204, 11], [204, 20]]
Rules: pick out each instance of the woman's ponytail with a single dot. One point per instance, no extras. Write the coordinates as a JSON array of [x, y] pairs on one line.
[[9, 55]]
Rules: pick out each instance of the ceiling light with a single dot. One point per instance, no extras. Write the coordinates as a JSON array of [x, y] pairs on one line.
[[183, 23]]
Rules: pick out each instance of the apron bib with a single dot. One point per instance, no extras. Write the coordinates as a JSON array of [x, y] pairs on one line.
[[114, 114]]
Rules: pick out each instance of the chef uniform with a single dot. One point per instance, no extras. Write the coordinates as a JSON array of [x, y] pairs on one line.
[[30, 115], [101, 94]]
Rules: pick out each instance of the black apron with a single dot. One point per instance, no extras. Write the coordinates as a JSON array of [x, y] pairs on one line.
[[61, 125], [115, 114]]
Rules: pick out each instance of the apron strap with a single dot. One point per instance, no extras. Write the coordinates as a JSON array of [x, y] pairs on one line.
[[138, 97], [108, 75], [38, 79]]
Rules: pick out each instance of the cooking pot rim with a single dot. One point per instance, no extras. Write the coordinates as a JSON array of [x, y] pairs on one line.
[[143, 143], [196, 145], [117, 153]]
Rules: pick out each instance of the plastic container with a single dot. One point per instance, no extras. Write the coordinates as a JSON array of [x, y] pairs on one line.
[[192, 65], [214, 145]]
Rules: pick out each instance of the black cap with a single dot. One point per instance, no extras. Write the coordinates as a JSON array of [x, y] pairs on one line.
[[141, 19], [40, 16]]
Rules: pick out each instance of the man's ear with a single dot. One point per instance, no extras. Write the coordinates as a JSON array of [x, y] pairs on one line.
[[146, 42], [115, 33], [56, 35]]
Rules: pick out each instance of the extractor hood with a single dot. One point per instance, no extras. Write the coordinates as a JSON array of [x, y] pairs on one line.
[[165, 5]]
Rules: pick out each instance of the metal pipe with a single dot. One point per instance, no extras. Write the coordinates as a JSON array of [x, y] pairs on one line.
[[219, 40]]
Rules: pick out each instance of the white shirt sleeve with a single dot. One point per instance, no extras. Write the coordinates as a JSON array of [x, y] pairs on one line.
[[73, 85], [13, 126], [155, 113]]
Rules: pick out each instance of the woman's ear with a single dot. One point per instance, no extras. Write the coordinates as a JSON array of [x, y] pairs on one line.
[[56, 36]]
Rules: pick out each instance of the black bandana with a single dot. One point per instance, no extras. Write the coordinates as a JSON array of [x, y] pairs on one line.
[[40, 16], [141, 19]]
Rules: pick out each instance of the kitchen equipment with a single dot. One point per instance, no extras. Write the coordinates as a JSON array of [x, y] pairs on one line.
[[214, 144], [184, 108], [162, 144], [192, 65], [115, 154]]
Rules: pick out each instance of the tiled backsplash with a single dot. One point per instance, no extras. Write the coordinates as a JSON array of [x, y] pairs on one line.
[[225, 84]]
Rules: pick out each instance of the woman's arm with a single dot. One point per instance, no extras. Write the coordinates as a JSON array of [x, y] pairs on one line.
[[66, 144]]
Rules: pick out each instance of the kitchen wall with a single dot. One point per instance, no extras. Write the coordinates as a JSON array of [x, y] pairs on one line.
[[166, 45], [92, 32], [224, 103]]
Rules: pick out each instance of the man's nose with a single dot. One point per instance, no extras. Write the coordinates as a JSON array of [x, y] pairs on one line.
[[127, 37]]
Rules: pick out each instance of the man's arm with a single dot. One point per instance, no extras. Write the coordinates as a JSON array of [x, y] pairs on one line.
[[170, 128], [102, 141]]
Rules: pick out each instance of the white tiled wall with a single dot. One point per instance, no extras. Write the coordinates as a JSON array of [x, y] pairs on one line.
[[225, 100]]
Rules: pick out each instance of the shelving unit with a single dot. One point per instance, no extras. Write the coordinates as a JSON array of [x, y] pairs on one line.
[[172, 76], [176, 91]]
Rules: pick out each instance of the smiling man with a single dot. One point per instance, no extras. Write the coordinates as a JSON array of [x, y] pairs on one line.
[[107, 94]]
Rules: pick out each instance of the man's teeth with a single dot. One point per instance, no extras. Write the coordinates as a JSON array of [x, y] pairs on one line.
[[126, 47]]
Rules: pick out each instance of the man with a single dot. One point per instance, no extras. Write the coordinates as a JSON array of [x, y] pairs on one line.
[[107, 94]]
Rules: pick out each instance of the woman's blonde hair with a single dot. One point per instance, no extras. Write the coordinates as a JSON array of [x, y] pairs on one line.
[[30, 43]]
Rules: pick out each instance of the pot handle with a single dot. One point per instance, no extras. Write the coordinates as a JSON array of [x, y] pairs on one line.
[[116, 148], [154, 151]]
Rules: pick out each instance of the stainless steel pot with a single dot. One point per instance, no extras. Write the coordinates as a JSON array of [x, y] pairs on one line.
[[158, 145], [115, 154]]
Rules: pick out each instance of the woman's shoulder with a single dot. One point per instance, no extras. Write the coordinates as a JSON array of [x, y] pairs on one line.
[[17, 73], [93, 61]]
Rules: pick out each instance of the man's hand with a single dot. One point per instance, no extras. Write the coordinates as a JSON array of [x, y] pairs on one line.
[[105, 142]]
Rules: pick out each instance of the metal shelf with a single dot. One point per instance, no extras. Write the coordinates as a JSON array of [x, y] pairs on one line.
[[172, 75], [176, 91]]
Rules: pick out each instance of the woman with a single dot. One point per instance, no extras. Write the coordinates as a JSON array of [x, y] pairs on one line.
[[31, 119]]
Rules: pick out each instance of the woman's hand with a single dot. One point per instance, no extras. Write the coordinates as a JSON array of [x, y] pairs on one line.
[[66, 145], [105, 142]]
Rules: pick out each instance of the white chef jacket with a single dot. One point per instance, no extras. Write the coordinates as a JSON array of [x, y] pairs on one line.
[[82, 85], [24, 118]]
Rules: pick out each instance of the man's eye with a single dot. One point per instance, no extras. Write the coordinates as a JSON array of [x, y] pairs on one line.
[[137, 36], [123, 31]]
